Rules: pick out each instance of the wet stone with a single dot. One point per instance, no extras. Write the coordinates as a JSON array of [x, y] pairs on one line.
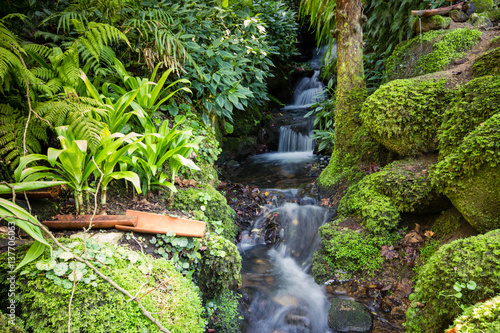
[[349, 316]]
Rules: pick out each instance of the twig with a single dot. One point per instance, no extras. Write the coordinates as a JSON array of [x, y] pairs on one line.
[[153, 289], [71, 298]]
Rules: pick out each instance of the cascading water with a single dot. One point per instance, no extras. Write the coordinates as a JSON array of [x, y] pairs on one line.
[[282, 296]]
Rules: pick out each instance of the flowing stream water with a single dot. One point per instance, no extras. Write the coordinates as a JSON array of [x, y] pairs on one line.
[[281, 294]]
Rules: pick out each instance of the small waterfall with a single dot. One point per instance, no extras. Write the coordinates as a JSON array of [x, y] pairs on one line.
[[297, 137], [308, 91], [289, 300]]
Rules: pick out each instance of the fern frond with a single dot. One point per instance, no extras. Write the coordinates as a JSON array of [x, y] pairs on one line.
[[12, 127]]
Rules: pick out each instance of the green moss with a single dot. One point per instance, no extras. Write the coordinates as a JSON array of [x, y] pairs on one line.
[[483, 5], [208, 205], [482, 317], [448, 222], [376, 210], [223, 312], [43, 293], [472, 259], [487, 63], [404, 115], [473, 103], [10, 325], [219, 268], [407, 184], [436, 50], [494, 14], [346, 250]]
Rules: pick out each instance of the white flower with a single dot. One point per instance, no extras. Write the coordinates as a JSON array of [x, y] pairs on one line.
[[203, 208]]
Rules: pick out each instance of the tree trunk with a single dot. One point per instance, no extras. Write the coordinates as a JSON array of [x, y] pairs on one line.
[[351, 88]]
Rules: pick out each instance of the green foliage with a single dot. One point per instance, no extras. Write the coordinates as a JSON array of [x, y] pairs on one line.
[[12, 128], [181, 251], [223, 312], [210, 206], [459, 262], [431, 54], [219, 267], [324, 122], [487, 63], [20, 218], [158, 146], [404, 115], [96, 305], [482, 317], [348, 251], [473, 103]]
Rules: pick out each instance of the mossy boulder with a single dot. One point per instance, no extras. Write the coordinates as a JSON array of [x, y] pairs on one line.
[[45, 288], [487, 63], [475, 259], [219, 268], [364, 201], [404, 115], [480, 20], [208, 205], [483, 5], [468, 172], [482, 317], [432, 52], [407, 183], [458, 16], [435, 22], [473, 103]]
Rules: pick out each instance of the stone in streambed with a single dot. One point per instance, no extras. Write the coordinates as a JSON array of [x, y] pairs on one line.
[[349, 316]]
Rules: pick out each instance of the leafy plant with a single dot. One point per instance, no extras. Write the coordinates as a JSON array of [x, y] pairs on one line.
[[159, 146], [182, 251], [151, 95]]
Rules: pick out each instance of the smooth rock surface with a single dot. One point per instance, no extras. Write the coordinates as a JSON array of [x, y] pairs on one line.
[[349, 316]]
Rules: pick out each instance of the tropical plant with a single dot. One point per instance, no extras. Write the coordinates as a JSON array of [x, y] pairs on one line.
[[158, 146], [113, 110], [151, 95], [18, 217]]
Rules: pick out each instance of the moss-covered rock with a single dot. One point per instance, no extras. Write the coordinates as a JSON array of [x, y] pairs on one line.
[[482, 317], [407, 183], [44, 290], [208, 205], [365, 201], [435, 22], [474, 261], [347, 251], [458, 16], [434, 52], [404, 115], [469, 173], [219, 268], [472, 104], [346, 315], [487, 63], [480, 20], [483, 5]]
